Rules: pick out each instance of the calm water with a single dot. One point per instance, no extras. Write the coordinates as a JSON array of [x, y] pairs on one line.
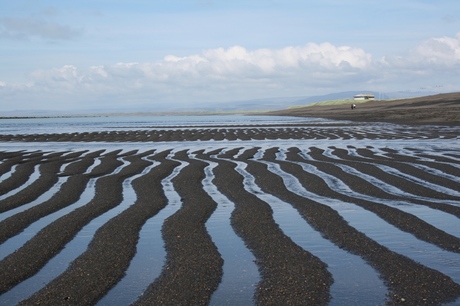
[[108, 123]]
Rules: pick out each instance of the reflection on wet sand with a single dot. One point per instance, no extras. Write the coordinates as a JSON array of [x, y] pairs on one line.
[[294, 209]]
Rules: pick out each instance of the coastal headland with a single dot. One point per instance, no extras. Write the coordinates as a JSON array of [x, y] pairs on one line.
[[441, 109]]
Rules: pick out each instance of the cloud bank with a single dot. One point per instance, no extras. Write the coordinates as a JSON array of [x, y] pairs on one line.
[[234, 73]]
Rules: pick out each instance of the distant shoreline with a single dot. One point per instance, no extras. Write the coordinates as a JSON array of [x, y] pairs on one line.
[[160, 114], [48, 117]]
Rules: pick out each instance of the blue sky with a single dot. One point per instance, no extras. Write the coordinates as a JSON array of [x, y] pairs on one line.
[[97, 54]]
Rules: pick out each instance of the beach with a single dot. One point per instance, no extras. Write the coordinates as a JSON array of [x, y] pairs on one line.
[[348, 181], [441, 109]]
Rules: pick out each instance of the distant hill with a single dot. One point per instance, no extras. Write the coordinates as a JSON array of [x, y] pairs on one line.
[[250, 105], [247, 105], [344, 95]]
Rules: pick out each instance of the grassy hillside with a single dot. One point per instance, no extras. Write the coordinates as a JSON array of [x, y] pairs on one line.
[[331, 102], [441, 109]]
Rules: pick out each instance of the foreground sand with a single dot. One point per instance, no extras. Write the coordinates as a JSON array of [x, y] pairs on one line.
[[290, 275], [442, 109]]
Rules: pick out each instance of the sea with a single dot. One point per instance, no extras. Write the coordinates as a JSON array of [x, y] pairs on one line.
[[43, 125], [88, 124]]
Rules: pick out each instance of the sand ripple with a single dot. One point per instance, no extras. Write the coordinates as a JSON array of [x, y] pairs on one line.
[[306, 206]]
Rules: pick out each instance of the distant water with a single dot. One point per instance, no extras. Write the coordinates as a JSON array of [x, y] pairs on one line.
[[113, 123]]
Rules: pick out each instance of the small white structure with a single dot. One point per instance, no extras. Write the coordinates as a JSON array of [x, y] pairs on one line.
[[364, 97]]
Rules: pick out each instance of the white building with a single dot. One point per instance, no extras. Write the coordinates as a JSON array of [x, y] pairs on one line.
[[364, 97]]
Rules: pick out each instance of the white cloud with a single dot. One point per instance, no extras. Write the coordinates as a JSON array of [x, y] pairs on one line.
[[434, 53], [442, 50], [213, 68], [217, 75]]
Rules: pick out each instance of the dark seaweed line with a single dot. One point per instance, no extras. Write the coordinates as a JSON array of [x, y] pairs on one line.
[[282, 281], [243, 133]]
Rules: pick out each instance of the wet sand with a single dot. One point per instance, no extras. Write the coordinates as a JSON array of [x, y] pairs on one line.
[[290, 275]]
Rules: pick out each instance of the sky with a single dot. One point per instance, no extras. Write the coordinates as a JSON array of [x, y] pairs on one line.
[[98, 54]]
